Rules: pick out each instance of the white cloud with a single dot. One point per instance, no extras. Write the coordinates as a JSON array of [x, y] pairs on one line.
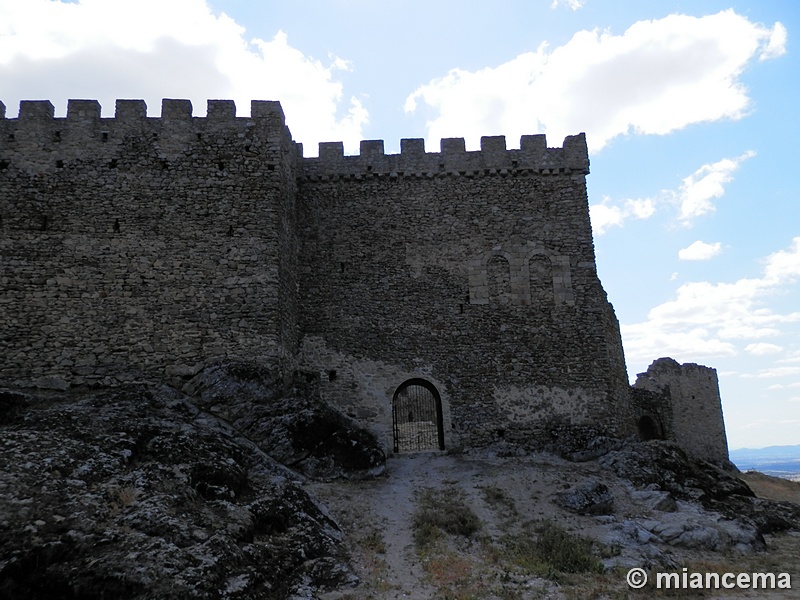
[[793, 357], [604, 215], [759, 424], [658, 76], [700, 251], [781, 386], [763, 348], [777, 43], [707, 183], [573, 4], [694, 198], [150, 49], [784, 265], [775, 372], [708, 319]]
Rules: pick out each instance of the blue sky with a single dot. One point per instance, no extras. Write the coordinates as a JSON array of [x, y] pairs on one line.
[[689, 110]]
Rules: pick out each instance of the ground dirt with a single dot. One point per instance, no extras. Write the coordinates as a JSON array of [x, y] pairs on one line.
[[511, 497]]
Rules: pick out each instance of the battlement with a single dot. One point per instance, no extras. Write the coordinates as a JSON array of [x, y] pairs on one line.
[[453, 159], [38, 142], [43, 111], [36, 130]]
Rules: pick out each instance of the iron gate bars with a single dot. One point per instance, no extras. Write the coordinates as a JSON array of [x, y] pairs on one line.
[[417, 417]]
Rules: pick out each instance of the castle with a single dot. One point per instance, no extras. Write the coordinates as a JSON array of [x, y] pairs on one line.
[[443, 298]]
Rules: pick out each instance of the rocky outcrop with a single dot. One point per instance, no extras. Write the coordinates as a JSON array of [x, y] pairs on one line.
[[689, 527], [294, 426], [146, 492], [136, 493], [590, 497], [664, 466]]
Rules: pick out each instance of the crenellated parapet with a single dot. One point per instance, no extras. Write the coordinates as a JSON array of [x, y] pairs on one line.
[[37, 141], [533, 157], [131, 111]]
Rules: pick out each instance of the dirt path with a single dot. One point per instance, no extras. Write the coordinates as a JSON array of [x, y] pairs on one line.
[[378, 515], [506, 494], [393, 504]]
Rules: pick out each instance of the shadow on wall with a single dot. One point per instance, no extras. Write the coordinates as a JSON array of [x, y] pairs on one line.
[[649, 429]]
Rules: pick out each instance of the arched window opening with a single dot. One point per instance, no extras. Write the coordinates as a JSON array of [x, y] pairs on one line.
[[498, 272], [417, 417], [649, 429]]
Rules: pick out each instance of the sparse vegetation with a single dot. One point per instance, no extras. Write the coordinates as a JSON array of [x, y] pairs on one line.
[[441, 511], [122, 497], [498, 535], [551, 551], [543, 549], [373, 541], [498, 498]]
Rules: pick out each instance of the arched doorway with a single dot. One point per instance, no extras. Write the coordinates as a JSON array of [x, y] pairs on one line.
[[417, 417], [649, 429]]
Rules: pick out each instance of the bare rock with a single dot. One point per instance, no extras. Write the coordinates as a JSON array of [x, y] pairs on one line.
[[655, 500], [289, 422], [663, 465], [134, 493], [590, 497]]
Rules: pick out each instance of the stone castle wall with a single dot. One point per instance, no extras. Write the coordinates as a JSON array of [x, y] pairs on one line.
[[140, 247], [473, 269], [144, 244]]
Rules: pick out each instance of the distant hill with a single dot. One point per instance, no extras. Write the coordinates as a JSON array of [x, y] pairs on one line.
[[780, 461]]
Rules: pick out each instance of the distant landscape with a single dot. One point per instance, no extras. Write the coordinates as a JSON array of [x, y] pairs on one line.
[[778, 461]]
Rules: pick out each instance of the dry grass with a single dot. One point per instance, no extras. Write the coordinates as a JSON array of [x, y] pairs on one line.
[[549, 551], [772, 488], [122, 497], [498, 499], [483, 539], [464, 566], [442, 511]]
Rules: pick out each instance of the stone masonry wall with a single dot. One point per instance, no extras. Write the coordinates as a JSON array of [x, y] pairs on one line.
[[472, 269], [139, 246], [694, 417]]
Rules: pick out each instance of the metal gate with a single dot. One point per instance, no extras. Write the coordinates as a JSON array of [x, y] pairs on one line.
[[417, 417]]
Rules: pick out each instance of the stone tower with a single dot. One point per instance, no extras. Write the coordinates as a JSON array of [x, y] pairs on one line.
[[682, 403]]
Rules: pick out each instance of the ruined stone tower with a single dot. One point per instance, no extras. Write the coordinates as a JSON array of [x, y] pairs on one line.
[[682, 403]]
